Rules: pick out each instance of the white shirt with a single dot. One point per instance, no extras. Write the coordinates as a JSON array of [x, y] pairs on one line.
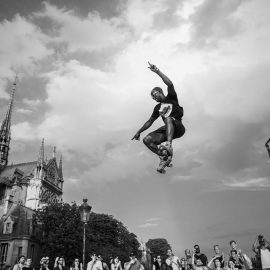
[[96, 266], [265, 258], [174, 263]]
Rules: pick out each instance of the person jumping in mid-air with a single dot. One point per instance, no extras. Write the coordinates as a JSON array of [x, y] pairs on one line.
[[171, 112]]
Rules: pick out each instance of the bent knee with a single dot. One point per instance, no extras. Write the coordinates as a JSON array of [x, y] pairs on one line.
[[147, 139]]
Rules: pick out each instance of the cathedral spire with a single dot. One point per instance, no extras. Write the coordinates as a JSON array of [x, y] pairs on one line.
[[5, 135], [54, 152], [60, 167], [41, 153]]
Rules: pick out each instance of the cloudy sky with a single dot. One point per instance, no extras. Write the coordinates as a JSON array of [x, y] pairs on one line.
[[84, 87]]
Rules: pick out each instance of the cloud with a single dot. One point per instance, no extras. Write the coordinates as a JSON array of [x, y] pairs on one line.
[[262, 183], [148, 225], [82, 34], [23, 46]]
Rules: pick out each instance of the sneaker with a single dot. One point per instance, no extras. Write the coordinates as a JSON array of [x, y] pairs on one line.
[[163, 164]]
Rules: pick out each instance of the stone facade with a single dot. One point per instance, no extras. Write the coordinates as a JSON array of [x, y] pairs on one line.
[[24, 188]]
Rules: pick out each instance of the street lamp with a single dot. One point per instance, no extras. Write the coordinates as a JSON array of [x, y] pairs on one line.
[[85, 210]]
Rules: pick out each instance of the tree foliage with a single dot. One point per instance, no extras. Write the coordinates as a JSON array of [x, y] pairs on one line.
[[158, 246], [63, 234]]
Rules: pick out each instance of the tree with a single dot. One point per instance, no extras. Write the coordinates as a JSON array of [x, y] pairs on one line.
[[63, 234], [158, 246]]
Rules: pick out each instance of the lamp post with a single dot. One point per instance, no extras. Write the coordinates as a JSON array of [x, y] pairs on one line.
[[85, 210]]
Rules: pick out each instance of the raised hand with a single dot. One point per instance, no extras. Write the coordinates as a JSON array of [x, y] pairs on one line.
[[136, 137], [153, 67]]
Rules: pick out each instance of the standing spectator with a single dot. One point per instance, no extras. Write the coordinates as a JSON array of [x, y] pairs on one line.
[[199, 256], [44, 263], [20, 263], [197, 264], [158, 264], [94, 264], [246, 260], [104, 265], [76, 265], [219, 255], [188, 258], [172, 260], [116, 264], [28, 264], [133, 264], [237, 259], [59, 263], [262, 249]]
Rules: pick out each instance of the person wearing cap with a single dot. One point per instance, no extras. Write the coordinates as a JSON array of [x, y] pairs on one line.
[[171, 112], [133, 264]]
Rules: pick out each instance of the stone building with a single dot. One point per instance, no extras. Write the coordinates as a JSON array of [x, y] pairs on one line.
[[24, 188]]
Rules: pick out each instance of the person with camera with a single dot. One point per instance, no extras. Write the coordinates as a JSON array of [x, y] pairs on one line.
[[262, 249], [44, 263]]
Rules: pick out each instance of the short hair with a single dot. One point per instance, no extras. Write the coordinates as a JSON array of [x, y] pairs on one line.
[[22, 256], [215, 246], [232, 241], [158, 89], [233, 251]]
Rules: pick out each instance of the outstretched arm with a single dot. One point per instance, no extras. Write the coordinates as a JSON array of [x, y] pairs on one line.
[[146, 125], [165, 79]]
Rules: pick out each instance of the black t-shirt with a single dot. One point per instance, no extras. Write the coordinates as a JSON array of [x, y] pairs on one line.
[[171, 98], [202, 257]]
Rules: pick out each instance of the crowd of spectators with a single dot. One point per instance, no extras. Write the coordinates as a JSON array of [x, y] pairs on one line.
[[192, 260]]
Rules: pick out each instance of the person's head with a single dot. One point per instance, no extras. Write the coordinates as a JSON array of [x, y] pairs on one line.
[[21, 259], [183, 262], [28, 262], [233, 253], [45, 260], [199, 262], [60, 261], [169, 252], [99, 257], [261, 240], [231, 264], [158, 258], [116, 260], [93, 256], [216, 249], [197, 249], [157, 94], [187, 252], [132, 256], [217, 263], [233, 244], [76, 262], [7, 267]]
